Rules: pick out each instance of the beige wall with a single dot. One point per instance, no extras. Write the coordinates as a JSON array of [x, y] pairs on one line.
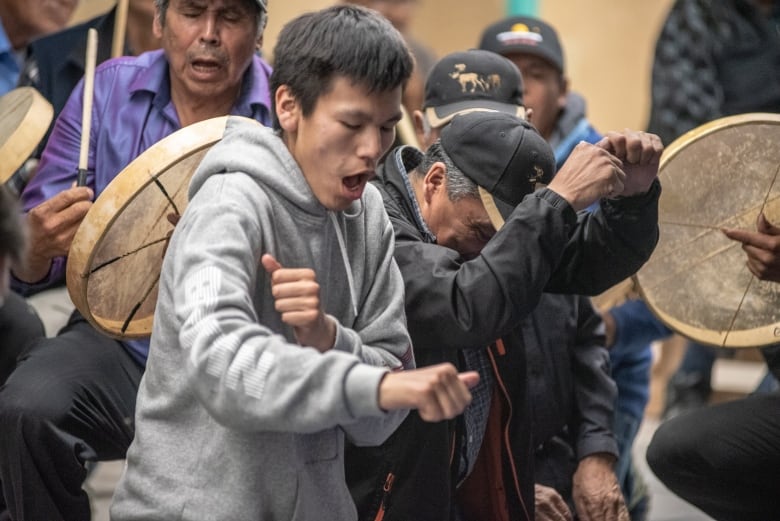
[[609, 50], [608, 46], [89, 8], [608, 43]]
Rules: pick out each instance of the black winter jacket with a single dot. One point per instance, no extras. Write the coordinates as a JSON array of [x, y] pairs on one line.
[[452, 304]]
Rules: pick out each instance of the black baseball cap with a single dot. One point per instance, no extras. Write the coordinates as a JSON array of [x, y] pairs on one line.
[[504, 155], [524, 35], [472, 80]]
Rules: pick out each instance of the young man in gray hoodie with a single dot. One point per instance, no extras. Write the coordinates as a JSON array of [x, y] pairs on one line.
[[280, 323]]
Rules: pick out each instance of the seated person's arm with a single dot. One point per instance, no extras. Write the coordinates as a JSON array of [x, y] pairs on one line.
[[595, 486], [54, 206], [762, 248]]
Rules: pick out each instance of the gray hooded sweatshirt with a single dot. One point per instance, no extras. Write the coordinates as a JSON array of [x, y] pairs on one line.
[[236, 421]]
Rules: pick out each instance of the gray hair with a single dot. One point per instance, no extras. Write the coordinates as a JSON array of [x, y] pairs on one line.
[[459, 186], [262, 14]]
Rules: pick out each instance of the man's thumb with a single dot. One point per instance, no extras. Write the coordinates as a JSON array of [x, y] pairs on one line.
[[470, 378], [270, 263]]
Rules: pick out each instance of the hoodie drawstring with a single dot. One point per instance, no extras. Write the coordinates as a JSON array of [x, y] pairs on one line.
[[345, 257]]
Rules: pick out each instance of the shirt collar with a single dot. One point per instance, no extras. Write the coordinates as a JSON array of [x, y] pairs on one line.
[[254, 99], [255, 91], [409, 155], [153, 79]]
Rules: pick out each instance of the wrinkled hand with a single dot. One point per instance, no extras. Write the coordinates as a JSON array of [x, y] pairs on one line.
[[596, 493], [640, 153], [762, 248], [549, 505], [51, 226], [297, 297], [590, 173], [438, 392]]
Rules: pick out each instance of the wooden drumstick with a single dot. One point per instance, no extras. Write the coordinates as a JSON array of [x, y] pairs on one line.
[[120, 27], [86, 114]]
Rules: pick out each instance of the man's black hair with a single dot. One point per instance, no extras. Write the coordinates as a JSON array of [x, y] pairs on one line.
[[343, 40]]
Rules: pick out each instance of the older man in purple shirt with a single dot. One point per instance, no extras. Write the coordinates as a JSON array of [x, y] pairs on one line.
[[71, 399]]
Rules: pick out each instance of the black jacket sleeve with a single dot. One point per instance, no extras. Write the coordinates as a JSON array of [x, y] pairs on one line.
[[594, 390], [543, 245]]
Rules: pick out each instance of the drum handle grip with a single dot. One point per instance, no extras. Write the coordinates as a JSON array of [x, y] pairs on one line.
[[81, 179]]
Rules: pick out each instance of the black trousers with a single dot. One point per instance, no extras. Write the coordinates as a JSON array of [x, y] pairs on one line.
[[70, 400], [725, 459], [19, 326]]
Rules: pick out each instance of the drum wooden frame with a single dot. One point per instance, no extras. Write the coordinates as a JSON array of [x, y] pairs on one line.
[[116, 256], [25, 116], [719, 175]]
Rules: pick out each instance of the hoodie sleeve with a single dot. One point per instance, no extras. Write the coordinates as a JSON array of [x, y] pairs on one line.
[[247, 376]]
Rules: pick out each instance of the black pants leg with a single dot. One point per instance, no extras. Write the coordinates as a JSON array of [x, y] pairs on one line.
[[70, 400], [19, 326], [725, 459]]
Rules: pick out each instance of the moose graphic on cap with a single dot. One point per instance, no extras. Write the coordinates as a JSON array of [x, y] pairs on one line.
[[476, 81]]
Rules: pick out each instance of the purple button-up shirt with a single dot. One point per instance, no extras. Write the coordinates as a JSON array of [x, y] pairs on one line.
[[131, 111]]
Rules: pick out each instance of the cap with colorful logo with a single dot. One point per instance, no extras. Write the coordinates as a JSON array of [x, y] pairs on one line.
[[472, 80], [522, 34]]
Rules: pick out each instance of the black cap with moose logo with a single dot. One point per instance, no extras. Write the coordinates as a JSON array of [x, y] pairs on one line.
[[472, 80]]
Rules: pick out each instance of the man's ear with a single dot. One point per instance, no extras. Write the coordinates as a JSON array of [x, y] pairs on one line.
[[287, 109], [157, 23], [435, 181], [529, 115]]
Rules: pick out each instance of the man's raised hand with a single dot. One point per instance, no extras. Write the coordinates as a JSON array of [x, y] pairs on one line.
[[297, 298]]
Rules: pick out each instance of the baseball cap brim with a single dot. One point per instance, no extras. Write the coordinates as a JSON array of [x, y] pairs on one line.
[[498, 211], [540, 52], [440, 116]]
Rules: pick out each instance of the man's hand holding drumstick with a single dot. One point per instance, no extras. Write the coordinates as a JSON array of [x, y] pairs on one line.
[[51, 226], [53, 223]]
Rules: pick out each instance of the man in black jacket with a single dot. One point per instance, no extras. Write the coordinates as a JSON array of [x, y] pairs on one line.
[[567, 365], [477, 249]]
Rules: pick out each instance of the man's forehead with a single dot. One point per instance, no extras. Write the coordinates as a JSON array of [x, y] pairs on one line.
[[528, 60], [474, 214], [220, 4]]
